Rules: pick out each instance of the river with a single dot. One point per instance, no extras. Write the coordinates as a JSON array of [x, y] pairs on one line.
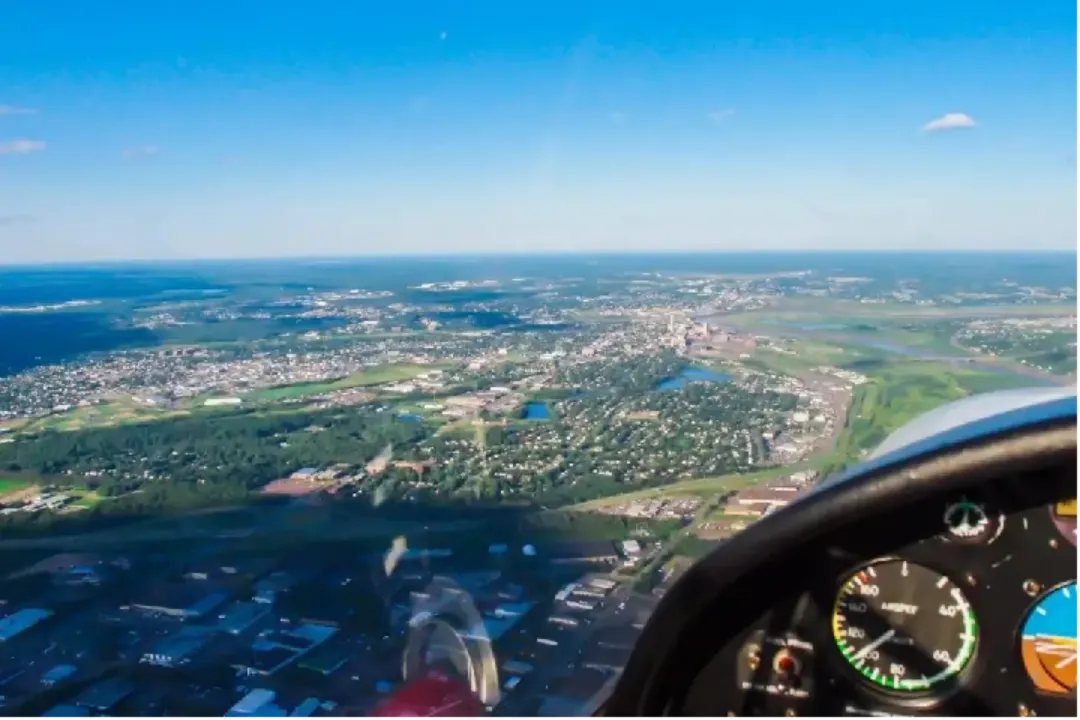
[[826, 332]]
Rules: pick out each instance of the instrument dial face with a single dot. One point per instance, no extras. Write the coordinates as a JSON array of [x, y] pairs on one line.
[[972, 523], [1048, 642], [904, 627]]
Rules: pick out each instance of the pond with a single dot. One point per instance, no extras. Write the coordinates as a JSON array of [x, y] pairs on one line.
[[409, 417], [689, 375], [536, 411]]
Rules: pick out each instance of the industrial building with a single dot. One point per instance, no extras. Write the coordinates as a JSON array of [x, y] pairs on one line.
[[264, 703], [275, 649], [239, 616], [584, 551], [569, 695], [103, 696], [182, 599], [499, 621], [19, 622], [178, 648]]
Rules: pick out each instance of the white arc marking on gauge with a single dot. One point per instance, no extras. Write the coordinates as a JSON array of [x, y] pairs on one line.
[[874, 645]]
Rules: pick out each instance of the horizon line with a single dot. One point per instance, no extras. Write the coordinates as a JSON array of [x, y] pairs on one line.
[[421, 255]]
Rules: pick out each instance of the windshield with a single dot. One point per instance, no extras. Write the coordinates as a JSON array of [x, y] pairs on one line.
[[386, 358]]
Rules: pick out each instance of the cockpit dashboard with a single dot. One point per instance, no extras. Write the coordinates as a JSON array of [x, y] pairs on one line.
[[962, 604]]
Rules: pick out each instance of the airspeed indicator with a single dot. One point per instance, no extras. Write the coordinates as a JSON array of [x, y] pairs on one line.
[[904, 627]]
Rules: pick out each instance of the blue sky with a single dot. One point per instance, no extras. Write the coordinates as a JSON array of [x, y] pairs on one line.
[[1055, 616], [241, 128]]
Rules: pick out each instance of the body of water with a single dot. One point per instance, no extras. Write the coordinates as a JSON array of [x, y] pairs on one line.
[[805, 326], [409, 417], [971, 361], [689, 375], [536, 411], [896, 349]]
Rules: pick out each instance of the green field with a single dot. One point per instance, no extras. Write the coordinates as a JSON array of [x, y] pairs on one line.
[[1054, 352], [114, 412], [700, 487], [371, 376], [931, 338], [125, 410], [10, 485], [891, 328], [86, 498], [903, 390], [804, 355], [889, 401]]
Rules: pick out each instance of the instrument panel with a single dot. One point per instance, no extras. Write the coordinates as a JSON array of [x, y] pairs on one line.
[[957, 605]]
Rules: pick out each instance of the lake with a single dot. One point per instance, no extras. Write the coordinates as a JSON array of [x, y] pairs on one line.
[[536, 411], [689, 375]]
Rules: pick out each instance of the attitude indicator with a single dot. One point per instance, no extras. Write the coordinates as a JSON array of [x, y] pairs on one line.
[[1048, 642]]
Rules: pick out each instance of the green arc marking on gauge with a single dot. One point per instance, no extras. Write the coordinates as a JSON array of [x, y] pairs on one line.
[[877, 672], [954, 668]]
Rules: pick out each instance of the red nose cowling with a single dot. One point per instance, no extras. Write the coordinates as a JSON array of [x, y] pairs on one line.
[[431, 695]]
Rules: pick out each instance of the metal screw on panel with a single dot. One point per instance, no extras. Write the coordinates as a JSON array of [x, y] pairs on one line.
[[1032, 588], [1053, 544], [753, 657]]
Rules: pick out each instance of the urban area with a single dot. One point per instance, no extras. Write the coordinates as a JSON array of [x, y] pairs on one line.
[[272, 499]]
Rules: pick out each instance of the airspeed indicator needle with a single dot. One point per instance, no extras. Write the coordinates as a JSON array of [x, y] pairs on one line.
[[874, 645]]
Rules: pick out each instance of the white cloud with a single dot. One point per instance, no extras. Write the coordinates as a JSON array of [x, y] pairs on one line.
[[16, 110], [719, 116], [950, 121], [140, 151], [21, 146]]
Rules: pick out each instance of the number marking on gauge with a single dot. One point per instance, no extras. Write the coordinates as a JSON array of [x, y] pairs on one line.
[[904, 627]]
